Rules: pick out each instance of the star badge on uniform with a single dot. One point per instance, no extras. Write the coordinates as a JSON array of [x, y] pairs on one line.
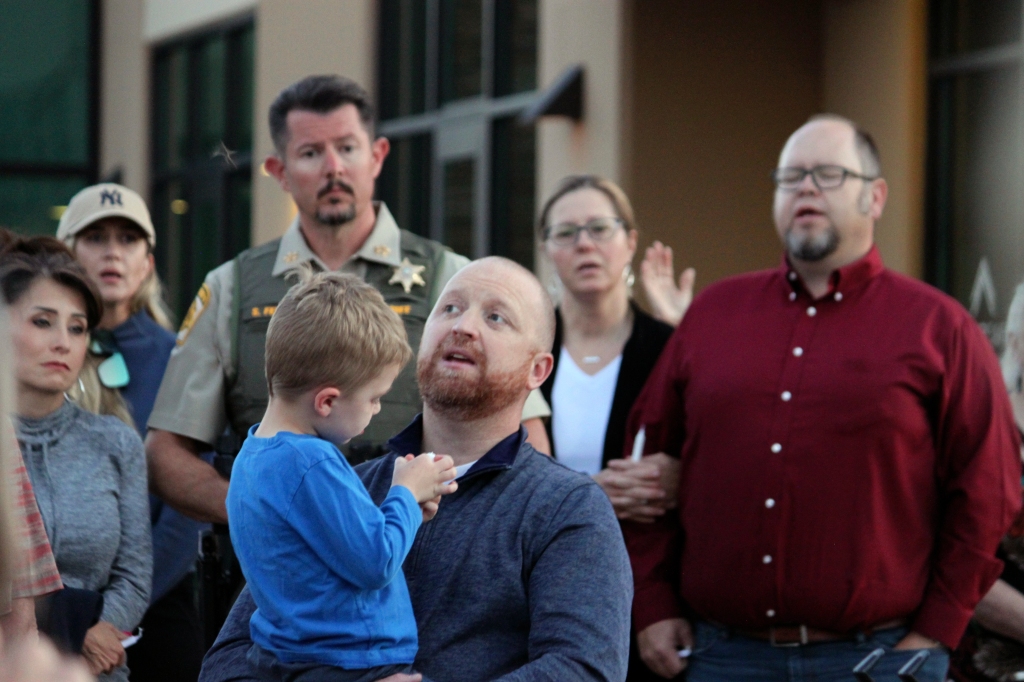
[[382, 250], [291, 257], [408, 275]]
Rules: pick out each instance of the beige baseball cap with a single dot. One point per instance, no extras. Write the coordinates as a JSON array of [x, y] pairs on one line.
[[106, 200]]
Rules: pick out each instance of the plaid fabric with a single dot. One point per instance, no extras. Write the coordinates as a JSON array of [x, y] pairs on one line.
[[37, 572]]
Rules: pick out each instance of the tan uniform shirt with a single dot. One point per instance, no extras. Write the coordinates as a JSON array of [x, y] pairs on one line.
[[191, 397]]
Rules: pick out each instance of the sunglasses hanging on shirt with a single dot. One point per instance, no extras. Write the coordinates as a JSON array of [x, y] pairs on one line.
[[113, 371]]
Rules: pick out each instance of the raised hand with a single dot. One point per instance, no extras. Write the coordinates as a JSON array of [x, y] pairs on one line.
[[669, 302], [427, 476]]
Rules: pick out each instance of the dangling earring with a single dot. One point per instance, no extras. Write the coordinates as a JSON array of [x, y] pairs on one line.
[[81, 387], [627, 275]]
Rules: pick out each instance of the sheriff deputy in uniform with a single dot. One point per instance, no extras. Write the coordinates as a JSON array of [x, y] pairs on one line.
[[327, 158]]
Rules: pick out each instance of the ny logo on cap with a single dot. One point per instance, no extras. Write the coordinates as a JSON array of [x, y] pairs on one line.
[[111, 195]]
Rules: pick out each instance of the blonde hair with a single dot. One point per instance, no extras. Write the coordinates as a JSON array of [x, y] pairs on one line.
[[150, 297], [331, 329], [90, 393], [574, 183]]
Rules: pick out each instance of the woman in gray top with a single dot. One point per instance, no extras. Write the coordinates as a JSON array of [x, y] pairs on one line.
[[89, 471]]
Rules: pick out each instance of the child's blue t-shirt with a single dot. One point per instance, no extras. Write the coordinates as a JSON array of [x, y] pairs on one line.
[[323, 562]]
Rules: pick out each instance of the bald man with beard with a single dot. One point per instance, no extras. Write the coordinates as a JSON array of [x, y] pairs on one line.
[[521, 574]]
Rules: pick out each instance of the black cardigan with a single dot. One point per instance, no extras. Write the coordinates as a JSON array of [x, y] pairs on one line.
[[638, 357]]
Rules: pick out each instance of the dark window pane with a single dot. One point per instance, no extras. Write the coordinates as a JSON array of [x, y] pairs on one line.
[[515, 46], [210, 102], [513, 165], [458, 206], [201, 197], [169, 208], [960, 26], [460, 49], [403, 40], [170, 119], [239, 214], [32, 205], [404, 183], [241, 88], [976, 208], [45, 90]]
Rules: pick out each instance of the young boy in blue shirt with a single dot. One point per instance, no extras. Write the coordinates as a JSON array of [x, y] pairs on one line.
[[323, 562]]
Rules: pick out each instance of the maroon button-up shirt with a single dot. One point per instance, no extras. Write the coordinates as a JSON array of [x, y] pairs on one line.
[[846, 461]]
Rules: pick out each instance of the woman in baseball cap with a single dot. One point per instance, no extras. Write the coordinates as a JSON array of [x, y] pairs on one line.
[[108, 228]]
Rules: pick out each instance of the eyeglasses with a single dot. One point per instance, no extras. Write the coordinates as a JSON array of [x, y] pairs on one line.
[[824, 177], [599, 229], [113, 372]]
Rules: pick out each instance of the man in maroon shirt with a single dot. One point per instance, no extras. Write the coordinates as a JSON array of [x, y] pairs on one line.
[[848, 456]]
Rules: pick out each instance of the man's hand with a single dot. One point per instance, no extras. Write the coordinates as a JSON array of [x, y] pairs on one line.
[[660, 643], [402, 677], [668, 302], [641, 491], [181, 479], [914, 640], [102, 648], [427, 476]]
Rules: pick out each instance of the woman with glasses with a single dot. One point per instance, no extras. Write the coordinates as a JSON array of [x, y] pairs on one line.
[[108, 228], [605, 346], [88, 471]]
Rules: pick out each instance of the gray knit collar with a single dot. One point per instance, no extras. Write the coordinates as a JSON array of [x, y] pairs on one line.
[[48, 428]]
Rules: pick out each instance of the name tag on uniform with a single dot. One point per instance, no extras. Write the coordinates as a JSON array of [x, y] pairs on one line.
[[401, 309], [258, 312]]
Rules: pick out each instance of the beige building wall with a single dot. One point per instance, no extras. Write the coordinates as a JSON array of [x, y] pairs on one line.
[[716, 89], [591, 33], [293, 40], [124, 94], [875, 72]]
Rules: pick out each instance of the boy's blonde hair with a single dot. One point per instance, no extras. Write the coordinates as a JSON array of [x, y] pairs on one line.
[[331, 329]]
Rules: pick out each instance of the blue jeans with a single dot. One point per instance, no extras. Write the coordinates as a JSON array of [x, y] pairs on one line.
[[721, 656]]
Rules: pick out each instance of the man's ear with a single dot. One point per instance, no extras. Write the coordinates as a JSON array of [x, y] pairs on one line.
[[543, 363], [324, 399], [275, 167], [379, 148]]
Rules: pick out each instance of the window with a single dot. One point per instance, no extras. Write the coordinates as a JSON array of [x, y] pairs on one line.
[[975, 209], [202, 154], [48, 100], [453, 76]]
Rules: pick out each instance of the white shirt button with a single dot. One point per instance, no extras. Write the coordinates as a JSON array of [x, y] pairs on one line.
[[776, 448], [792, 276], [770, 613], [792, 295], [786, 396], [812, 311], [767, 558], [769, 503], [798, 351], [838, 296]]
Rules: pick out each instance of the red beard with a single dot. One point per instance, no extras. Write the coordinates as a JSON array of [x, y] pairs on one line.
[[468, 397]]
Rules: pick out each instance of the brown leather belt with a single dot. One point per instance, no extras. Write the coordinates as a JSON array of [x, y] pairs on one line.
[[798, 635]]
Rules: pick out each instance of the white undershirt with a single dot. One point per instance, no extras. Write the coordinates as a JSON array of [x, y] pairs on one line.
[[580, 407]]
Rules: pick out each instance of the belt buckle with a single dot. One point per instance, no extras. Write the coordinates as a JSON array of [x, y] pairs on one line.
[[787, 645]]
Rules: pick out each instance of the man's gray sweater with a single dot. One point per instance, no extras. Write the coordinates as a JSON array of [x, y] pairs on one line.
[[522, 575]]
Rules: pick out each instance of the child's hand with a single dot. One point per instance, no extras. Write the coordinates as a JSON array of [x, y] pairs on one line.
[[429, 508], [427, 476]]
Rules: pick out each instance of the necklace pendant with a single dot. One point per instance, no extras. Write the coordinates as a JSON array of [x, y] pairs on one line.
[[591, 359]]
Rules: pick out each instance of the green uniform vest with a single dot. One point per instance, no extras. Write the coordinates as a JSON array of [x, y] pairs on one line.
[[257, 293]]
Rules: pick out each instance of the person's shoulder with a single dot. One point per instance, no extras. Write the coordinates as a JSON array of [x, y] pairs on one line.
[[552, 479], [912, 296], [108, 429], [649, 328]]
